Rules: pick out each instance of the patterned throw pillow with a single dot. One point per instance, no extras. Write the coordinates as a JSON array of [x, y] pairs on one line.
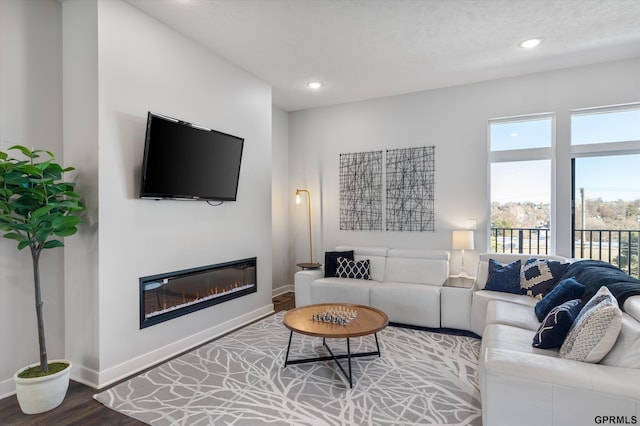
[[596, 329], [567, 289], [556, 325], [504, 278], [350, 269], [539, 276], [331, 261]]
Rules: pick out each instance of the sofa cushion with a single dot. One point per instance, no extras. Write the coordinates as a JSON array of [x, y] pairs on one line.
[[331, 261], [504, 278], [513, 314], [416, 266], [567, 289], [556, 325], [343, 290], [596, 329], [357, 269], [481, 300], [539, 276], [626, 351], [501, 336], [408, 303], [632, 307]]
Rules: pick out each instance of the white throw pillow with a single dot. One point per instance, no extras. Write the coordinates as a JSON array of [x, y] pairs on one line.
[[595, 330]]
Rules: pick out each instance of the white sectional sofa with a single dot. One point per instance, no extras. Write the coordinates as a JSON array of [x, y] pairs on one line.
[[524, 385], [519, 384], [405, 283]]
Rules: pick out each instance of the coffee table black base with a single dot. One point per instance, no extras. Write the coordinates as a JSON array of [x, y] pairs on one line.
[[334, 357]]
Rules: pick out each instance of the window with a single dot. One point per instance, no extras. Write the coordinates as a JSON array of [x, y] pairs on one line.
[[521, 152], [606, 185], [530, 133], [604, 126]]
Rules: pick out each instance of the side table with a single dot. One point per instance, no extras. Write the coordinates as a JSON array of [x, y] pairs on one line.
[[456, 296], [309, 265]]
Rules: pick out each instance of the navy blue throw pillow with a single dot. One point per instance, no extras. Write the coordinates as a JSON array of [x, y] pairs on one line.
[[567, 289], [556, 325], [539, 276], [504, 278], [331, 261]]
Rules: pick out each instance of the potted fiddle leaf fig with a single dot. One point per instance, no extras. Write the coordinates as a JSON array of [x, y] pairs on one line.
[[37, 209]]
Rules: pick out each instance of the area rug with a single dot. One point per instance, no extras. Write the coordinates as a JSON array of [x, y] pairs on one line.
[[421, 378]]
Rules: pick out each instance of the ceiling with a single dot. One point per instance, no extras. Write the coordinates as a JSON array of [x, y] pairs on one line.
[[364, 49]]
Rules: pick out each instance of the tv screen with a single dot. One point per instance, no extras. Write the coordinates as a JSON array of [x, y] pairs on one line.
[[185, 161]]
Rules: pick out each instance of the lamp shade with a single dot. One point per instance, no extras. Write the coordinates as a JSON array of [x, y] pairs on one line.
[[462, 240]]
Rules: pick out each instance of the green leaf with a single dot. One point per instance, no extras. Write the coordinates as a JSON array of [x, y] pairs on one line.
[[41, 212], [15, 236], [32, 170], [53, 244], [4, 207], [43, 233], [66, 232], [66, 204], [24, 244], [65, 221], [26, 151], [70, 194]]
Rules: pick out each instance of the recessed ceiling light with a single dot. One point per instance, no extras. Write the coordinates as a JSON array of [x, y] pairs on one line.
[[315, 85], [530, 44]]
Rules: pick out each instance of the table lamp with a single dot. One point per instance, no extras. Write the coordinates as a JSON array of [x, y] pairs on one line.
[[462, 240]]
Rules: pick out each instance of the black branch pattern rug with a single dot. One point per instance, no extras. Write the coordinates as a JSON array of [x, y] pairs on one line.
[[422, 378]]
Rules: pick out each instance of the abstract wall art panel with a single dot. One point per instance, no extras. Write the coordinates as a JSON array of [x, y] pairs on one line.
[[410, 189], [361, 191]]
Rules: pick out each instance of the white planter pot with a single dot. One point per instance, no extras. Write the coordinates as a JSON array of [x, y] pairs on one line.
[[41, 394]]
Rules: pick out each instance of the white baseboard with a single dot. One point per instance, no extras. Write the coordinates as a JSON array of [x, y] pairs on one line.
[[7, 388], [281, 290], [104, 378]]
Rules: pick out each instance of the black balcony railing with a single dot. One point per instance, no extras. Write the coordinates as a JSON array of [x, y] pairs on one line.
[[520, 240], [618, 247]]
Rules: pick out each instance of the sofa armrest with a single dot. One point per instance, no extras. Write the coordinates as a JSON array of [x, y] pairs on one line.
[[554, 391], [302, 285]]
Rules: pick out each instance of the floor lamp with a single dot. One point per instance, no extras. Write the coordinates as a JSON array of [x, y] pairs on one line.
[[311, 264], [462, 240]]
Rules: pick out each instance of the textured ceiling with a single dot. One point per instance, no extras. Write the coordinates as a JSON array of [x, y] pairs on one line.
[[363, 49]]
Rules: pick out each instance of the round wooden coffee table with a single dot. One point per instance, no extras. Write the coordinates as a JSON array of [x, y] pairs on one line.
[[368, 321]]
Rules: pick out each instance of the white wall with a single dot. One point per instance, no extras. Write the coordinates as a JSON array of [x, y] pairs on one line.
[[281, 200], [143, 65], [30, 115], [455, 121]]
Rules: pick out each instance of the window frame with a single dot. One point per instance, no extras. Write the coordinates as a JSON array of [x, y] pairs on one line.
[[603, 149], [525, 154]]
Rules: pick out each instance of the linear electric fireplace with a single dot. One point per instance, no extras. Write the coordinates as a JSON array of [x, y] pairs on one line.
[[173, 294]]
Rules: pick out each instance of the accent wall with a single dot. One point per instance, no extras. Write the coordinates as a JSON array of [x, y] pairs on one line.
[[454, 120]]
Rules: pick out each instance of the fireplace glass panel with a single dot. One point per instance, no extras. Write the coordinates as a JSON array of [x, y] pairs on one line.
[[166, 296]]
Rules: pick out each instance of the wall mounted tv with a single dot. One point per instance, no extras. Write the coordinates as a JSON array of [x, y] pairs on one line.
[[184, 161]]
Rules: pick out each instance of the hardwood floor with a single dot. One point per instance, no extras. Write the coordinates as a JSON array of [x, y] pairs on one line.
[[79, 408]]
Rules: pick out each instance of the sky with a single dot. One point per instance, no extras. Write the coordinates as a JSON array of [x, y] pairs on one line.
[[607, 177]]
